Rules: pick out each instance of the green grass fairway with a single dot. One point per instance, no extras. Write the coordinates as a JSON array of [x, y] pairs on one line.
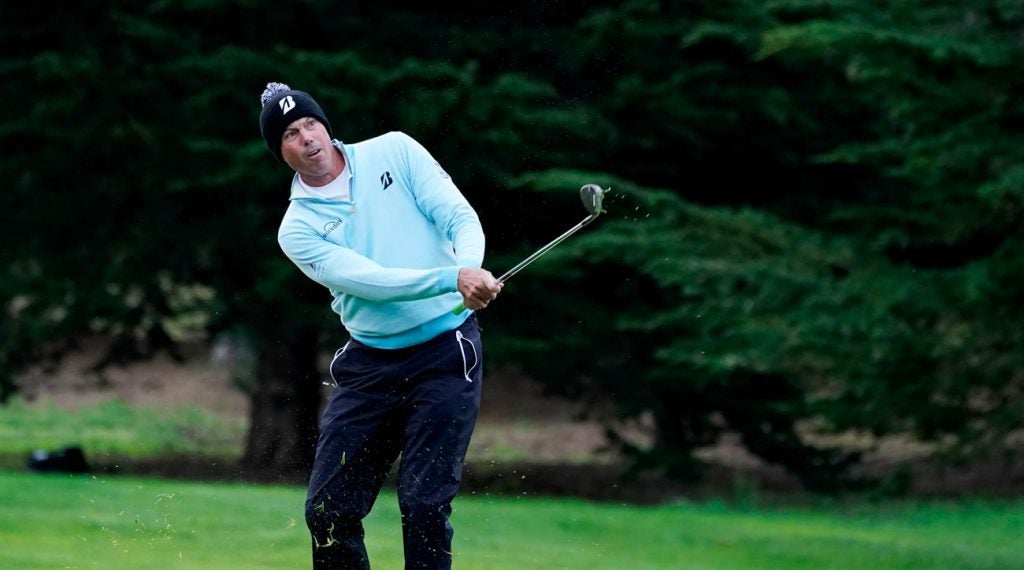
[[59, 521]]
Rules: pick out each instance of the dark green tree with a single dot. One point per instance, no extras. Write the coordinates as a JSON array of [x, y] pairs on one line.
[[839, 212], [813, 227], [944, 81]]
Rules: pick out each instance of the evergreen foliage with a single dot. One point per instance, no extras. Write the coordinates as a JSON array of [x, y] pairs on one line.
[[814, 228]]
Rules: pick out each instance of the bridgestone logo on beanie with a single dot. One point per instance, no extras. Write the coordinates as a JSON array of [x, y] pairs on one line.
[[286, 104], [283, 105]]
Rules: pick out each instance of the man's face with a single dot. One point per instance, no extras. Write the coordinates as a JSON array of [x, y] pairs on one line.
[[306, 147]]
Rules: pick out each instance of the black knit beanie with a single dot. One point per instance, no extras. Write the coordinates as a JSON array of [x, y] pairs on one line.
[[283, 105]]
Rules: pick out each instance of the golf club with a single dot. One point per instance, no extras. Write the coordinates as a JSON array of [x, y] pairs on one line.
[[592, 196]]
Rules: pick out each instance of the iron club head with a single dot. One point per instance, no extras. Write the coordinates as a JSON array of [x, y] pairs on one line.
[[592, 196]]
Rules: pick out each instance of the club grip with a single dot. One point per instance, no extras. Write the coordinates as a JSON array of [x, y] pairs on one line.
[[458, 310]]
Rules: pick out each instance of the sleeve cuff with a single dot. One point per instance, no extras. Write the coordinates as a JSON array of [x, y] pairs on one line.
[[450, 278]]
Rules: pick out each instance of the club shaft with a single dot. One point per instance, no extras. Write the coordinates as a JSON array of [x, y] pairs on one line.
[[522, 264]]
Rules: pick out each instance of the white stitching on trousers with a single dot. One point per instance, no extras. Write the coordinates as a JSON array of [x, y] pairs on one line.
[[476, 359], [330, 369]]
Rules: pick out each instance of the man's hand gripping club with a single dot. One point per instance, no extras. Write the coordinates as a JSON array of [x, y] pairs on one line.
[[478, 287]]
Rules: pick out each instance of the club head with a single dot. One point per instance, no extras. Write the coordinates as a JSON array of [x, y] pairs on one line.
[[592, 196]]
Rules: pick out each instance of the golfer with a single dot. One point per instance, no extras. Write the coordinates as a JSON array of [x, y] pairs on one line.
[[384, 228]]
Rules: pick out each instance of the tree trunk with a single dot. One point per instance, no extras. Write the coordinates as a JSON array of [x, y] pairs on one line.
[[285, 407]]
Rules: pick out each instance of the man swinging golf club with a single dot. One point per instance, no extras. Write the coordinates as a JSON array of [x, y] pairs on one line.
[[383, 227]]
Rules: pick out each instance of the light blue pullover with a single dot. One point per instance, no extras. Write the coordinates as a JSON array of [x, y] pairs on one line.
[[390, 255]]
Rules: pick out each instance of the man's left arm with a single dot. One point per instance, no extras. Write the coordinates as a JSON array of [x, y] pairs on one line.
[[441, 201]]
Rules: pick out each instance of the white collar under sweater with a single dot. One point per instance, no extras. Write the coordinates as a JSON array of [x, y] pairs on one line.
[[336, 190]]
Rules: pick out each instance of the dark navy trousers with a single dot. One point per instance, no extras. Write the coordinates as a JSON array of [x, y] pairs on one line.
[[419, 403]]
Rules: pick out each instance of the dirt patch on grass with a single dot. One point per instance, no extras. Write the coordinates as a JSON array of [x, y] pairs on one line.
[[199, 381]]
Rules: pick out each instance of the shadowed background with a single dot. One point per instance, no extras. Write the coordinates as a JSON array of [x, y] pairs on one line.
[[812, 244]]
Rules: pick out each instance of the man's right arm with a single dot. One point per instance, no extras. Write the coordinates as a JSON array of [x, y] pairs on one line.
[[342, 269]]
